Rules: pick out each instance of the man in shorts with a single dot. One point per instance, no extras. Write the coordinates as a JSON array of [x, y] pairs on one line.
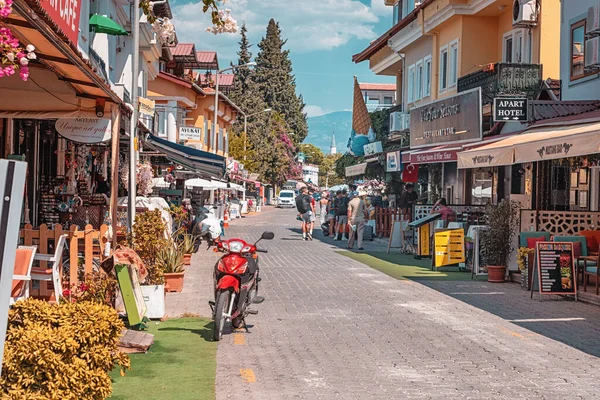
[[307, 213], [341, 214]]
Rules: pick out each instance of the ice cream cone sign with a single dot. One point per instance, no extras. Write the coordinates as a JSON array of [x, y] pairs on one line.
[[361, 123]]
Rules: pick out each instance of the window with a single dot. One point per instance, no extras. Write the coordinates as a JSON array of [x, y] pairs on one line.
[[519, 56], [407, 6], [387, 100], [577, 50], [419, 80], [427, 76], [453, 70], [443, 68], [226, 148], [220, 140], [396, 17], [162, 122], [507, 52], [411, 83], [514, 47], [206, 131]]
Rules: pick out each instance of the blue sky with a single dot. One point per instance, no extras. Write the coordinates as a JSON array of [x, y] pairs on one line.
[[322, 37]]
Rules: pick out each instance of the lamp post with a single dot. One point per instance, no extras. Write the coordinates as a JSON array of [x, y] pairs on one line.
[[245, 136], [214, 129]]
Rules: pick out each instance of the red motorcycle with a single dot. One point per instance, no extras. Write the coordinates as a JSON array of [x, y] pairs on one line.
[[236, 280]]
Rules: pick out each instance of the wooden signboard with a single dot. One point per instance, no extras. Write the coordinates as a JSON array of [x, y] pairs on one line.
[[449, 247], [555, 268], [132, 293]]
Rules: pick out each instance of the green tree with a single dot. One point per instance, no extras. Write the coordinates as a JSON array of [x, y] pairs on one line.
[[327, 171], [242, 76], [236, 150], [313, 154], [276, 82]]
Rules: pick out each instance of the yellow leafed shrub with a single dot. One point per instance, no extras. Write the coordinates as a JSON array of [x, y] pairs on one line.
[[61, 351]]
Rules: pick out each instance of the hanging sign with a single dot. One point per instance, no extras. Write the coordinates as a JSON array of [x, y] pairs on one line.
[[556, 268], [358, 169], [510, 109], [84, 130], [189, 133], [372, 148], [393, 161], [146, 106], [65, 14]]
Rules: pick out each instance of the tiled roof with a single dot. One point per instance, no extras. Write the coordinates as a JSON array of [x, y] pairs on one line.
[[183, 49], [570, 119], [206, 56], [378, 86], [224, 79], [548, 109]]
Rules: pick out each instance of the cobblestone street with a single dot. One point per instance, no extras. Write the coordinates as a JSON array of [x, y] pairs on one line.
[[332, 327]]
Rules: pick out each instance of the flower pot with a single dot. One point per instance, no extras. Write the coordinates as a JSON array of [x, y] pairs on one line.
[[174, 281], [496, 273], [187, 259]]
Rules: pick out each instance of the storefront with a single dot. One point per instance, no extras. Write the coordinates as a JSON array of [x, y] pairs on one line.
[[438, 132]]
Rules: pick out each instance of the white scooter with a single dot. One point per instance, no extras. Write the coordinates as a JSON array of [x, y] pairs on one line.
[[207, 226]]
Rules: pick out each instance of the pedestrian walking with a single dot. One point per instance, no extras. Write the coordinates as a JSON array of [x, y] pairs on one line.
[[357, 215], [323, 205], [341, 214], [306, 211]]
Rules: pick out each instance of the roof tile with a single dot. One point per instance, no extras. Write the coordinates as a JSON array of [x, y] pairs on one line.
[[378, 86], [183, 49]]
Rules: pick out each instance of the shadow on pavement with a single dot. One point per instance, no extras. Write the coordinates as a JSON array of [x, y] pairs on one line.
[[559, 318]]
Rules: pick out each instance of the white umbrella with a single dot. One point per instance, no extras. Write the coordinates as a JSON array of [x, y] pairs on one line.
[[205, 184], [160, 182]]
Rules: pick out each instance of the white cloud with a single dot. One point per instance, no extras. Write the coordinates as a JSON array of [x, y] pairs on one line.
[[314, 111], [308, 24], [379, 8]]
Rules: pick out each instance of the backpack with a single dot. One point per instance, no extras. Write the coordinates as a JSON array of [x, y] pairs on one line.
[[302, 204], [343, 206]]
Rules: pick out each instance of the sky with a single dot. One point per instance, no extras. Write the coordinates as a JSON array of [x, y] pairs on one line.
[[322, 37]]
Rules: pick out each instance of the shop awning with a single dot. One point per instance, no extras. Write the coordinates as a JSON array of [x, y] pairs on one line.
[[102, 24], [536, 144], [198, 161]]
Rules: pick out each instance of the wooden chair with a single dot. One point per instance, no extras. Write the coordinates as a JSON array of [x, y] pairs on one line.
[[22, 274], [53, 272], [590, 268]]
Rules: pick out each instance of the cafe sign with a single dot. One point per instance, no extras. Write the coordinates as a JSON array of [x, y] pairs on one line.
[[146, 106], [454, 119], [508, 109], [84, 130], [358, 169], [65, 14], [189, 133], [372, 148]]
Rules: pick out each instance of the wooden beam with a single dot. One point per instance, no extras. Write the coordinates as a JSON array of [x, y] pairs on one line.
[[46, 57], [94, 97], [76, 81], [17, 22]]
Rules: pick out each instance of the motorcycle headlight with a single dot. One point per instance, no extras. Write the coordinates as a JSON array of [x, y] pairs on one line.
[[235, 247]]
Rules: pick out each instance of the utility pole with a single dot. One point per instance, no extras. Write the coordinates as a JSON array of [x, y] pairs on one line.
[[135, 37]]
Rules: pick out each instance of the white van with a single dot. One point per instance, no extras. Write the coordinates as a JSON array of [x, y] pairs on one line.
[[286, 198]]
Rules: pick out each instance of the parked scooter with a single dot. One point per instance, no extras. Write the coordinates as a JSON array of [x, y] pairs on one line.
[[236, 278], [207, 226]]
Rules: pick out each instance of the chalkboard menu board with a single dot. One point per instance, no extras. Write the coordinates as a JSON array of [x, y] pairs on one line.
[[556, 268]]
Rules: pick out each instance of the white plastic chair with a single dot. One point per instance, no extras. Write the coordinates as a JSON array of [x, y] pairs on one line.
[[53, 272], [22, 276]]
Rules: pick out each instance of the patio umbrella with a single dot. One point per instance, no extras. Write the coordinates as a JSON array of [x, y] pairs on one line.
[[102, 24]]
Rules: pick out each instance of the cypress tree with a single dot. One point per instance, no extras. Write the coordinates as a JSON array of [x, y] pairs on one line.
[[276, 82]]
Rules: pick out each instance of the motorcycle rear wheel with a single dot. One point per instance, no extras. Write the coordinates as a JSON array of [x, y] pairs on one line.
[[221, 306]]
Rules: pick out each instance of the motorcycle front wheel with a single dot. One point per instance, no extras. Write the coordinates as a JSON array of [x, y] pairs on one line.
[[221, 308]]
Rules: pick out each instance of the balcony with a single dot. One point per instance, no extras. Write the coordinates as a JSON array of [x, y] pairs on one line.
[[378, 107], [98, 64], [505, 78]]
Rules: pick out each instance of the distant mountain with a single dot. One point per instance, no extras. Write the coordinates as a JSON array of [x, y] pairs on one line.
[[321, 128]]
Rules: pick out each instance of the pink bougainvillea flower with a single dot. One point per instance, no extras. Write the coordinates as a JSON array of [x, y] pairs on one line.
[[24, 73]]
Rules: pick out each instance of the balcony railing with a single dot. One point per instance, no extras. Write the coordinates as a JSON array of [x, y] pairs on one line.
[[506, 78], [98, 64], [378, 107]]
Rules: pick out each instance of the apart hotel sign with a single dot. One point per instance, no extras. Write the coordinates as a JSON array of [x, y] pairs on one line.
[[455, 119], [510, 109]]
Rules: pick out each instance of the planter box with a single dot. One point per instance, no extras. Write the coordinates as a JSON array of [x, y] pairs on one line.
[[154, 297]]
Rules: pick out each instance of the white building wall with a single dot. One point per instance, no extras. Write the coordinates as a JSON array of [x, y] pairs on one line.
[[310, 172]]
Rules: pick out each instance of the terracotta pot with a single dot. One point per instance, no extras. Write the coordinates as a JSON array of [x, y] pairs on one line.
[[496, 273], [174, 281], [187, 259]]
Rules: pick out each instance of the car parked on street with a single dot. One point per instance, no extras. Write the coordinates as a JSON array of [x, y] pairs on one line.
[[286, 198]]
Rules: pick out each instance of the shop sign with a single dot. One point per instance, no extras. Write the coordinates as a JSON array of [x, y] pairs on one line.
[[372, 148], [189, 133], [455, 119], [393, 161], [510, 109], [555, 268], [358, 169], [84, 130], [434, 157], [146, 106], [65, 14]]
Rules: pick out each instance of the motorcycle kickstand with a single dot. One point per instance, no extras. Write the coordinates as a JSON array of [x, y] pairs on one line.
[[246, 326]]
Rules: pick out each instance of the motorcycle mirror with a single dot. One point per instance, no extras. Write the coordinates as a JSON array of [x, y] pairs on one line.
[[267, 235]]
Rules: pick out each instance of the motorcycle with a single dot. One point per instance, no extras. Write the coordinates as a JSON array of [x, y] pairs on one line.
[[236, 278], [207, 226]]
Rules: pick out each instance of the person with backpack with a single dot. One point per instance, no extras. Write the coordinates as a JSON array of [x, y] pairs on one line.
[[341, 212], [306, 211]]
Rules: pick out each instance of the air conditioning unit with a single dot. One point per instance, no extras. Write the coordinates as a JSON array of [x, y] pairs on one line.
[[592, 58], [592, 23], [525, 12]]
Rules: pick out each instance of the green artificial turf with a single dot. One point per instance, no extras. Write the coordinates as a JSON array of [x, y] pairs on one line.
[[402, 266], [181, 364]]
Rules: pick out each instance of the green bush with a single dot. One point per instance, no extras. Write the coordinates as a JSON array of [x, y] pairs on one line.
[[61, 351]]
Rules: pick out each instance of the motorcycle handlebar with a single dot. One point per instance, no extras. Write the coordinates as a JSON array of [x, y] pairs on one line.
[[262, 251]]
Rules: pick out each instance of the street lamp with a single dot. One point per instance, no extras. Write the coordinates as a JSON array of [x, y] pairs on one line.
[[245, 136], [250, 64]]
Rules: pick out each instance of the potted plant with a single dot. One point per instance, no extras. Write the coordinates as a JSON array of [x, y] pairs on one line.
[[170, 260], [497, 241], [187, 246]]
